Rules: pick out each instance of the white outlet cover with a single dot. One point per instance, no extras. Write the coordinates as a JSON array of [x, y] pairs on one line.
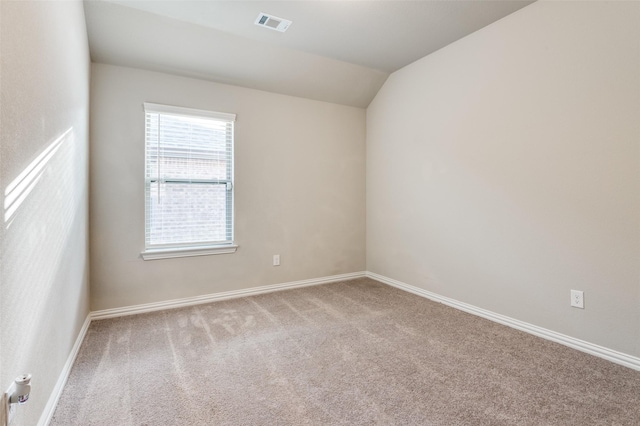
[[577, 299]]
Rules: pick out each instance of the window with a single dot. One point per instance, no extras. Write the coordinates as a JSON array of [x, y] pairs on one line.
[[188, 182]]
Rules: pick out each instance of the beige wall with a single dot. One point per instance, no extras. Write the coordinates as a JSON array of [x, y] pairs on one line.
[[44, 77], [504, 170], [299, 189]]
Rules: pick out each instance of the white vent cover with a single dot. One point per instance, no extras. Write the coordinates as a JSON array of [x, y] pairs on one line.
[[272, 22]]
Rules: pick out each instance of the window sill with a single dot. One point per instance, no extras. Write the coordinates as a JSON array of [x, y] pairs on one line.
[[154, 254]]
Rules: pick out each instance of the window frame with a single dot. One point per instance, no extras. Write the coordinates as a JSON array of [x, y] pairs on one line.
[[172, 250]]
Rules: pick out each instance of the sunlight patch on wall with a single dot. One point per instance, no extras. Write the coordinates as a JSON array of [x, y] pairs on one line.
[[18, 190]]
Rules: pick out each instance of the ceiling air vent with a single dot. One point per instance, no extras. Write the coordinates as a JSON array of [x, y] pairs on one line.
[[272, 22]]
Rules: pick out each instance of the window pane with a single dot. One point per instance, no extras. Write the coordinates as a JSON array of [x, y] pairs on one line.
[[181, 147], [189, 175], [187, 213]]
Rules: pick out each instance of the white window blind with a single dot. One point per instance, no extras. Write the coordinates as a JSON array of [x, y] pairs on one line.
[[188, 178]]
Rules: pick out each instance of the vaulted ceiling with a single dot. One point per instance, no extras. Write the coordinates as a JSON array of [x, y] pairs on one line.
[[334, 51]]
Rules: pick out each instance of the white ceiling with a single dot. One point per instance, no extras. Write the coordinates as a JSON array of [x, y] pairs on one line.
[[335, 51]]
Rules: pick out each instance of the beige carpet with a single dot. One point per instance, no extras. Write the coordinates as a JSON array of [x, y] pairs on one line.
[[351, 353]]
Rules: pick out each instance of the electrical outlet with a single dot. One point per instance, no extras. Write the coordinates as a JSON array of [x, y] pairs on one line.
[[577, 299], [276, 260], [18, 393]]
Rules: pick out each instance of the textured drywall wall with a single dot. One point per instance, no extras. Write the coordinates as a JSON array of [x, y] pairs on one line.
[[503, 170], [44, 89], [299, 189]]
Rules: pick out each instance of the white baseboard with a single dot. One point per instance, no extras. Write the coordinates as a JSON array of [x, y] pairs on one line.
[[572, 342], [207, 298], [50, 408]]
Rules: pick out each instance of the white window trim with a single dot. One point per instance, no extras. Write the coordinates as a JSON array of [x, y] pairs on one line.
[[168, 253], [187, 251]]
